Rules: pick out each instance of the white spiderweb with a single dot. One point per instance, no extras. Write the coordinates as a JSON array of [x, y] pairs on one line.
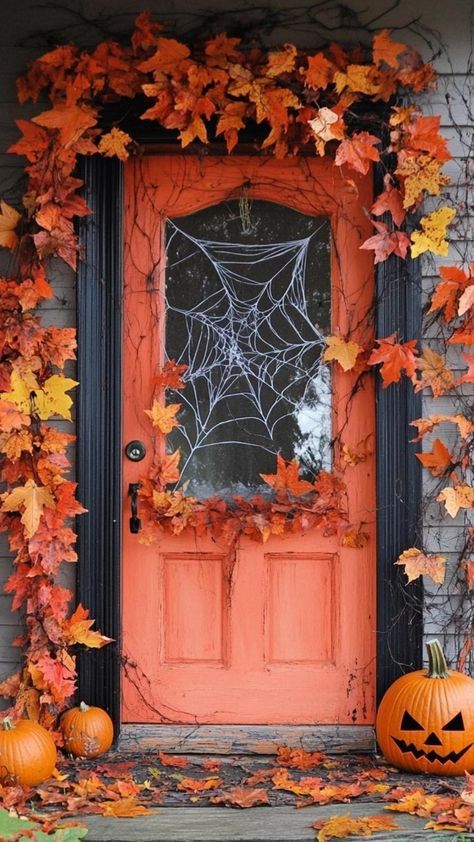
[[255, 383]]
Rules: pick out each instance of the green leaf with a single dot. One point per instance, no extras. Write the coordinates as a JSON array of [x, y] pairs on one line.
[[10, 826]]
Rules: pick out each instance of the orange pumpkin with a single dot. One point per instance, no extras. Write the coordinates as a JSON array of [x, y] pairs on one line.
[[87, 731], [27, 752], [425, 722]]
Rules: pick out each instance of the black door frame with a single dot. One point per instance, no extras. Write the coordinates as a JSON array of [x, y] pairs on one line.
[[99, 303]]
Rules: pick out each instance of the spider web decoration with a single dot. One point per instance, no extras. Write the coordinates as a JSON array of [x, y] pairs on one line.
[[248, 318]]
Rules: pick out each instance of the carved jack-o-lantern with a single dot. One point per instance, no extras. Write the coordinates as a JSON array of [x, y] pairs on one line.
[[425, 722]]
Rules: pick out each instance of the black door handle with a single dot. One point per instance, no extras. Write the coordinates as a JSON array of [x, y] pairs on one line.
[[135, 522]]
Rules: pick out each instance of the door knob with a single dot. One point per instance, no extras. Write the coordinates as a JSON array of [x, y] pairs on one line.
[[135, 450]]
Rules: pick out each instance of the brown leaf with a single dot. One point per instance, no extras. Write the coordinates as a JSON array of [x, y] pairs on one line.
[[339, 827], [417, 563], [9, 219], [241, 796]]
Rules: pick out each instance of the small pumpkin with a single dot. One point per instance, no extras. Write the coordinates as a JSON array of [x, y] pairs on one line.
[[425, 722], [27, 752], [87, 731]]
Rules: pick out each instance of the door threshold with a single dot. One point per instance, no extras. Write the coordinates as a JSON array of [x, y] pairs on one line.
[[246, 739]]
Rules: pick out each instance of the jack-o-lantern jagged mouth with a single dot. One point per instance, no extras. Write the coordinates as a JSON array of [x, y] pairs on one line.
[[432, 755]]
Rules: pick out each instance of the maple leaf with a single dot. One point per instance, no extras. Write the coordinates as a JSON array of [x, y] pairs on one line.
[[30, 499], [172, 760], [78, 630], [467, 377], [389, 201], [241, 796], [299, 758], [114, 144], [424, 135], [171, 375], [356, 538], [167, 470], [434, 373], [198, 784], [386, 242], [124, 808], [46, 400], [358, 151], [419, 173], [168, 58], [438, 460], [432, 236], [71, 121], [287, 478], [386, 51], [459, 497], [338, 827], [196, 128], [281, 61], [11, 418], [230, 122], [395, 358], [344, 352], [56, 676], [9, 219], [466, 301], [417, 563], [326, 126], [320, 71], [163, 417], [447, 293]]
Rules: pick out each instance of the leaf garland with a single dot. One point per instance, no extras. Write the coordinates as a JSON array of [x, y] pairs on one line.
[[202, 92]]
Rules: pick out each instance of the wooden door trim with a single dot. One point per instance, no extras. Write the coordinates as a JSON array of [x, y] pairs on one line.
[[99, 290]]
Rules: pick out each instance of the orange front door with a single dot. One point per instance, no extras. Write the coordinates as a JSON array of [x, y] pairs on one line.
[[239, 267]]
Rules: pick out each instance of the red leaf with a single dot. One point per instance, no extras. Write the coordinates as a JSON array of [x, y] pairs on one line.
[[358, 151], [387, 242], [287, 478]]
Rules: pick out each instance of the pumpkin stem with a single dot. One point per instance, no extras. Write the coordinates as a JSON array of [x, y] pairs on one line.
[[437, 666], [7, 724], [83, 707]]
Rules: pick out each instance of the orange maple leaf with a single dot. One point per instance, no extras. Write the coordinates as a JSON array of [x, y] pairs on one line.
[[163, 417], [29, 499], [386, 242], [124, 808], [417, 563], [78, 630], [172, 760], [448, 292], [114, 144], [345, 825], [281, 61], [344, 352], [9, 219], [467, 377], [171, 375], [71, 121], [386, 51], [195, 129], [424, 136], [438, 460], [198, 784], [168, 58], [389, 201], [434, 373], [320, 71], [358, 151], [287, 478], [395, 358], [11, 418]]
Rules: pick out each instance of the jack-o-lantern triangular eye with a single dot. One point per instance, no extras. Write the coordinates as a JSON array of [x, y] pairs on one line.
[[454, 724], [410, 724]]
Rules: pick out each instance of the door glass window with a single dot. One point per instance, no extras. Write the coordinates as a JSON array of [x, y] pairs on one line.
[[248, 293]]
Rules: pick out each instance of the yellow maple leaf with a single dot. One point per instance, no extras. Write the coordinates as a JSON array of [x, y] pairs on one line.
[[163, 417], [114, 144], [434, 373], [78, 630], [345, 353], [44, 401], [457, 497], [9, 218], [361, 78], [420, 172], [30, 499], [417, 563], [432, 236]]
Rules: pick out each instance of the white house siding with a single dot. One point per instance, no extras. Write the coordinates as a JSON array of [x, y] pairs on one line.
[[24, 34]]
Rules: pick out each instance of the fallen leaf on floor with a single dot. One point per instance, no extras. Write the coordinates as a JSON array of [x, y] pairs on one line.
[[124, 808], [240, 796], [339, 827]]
